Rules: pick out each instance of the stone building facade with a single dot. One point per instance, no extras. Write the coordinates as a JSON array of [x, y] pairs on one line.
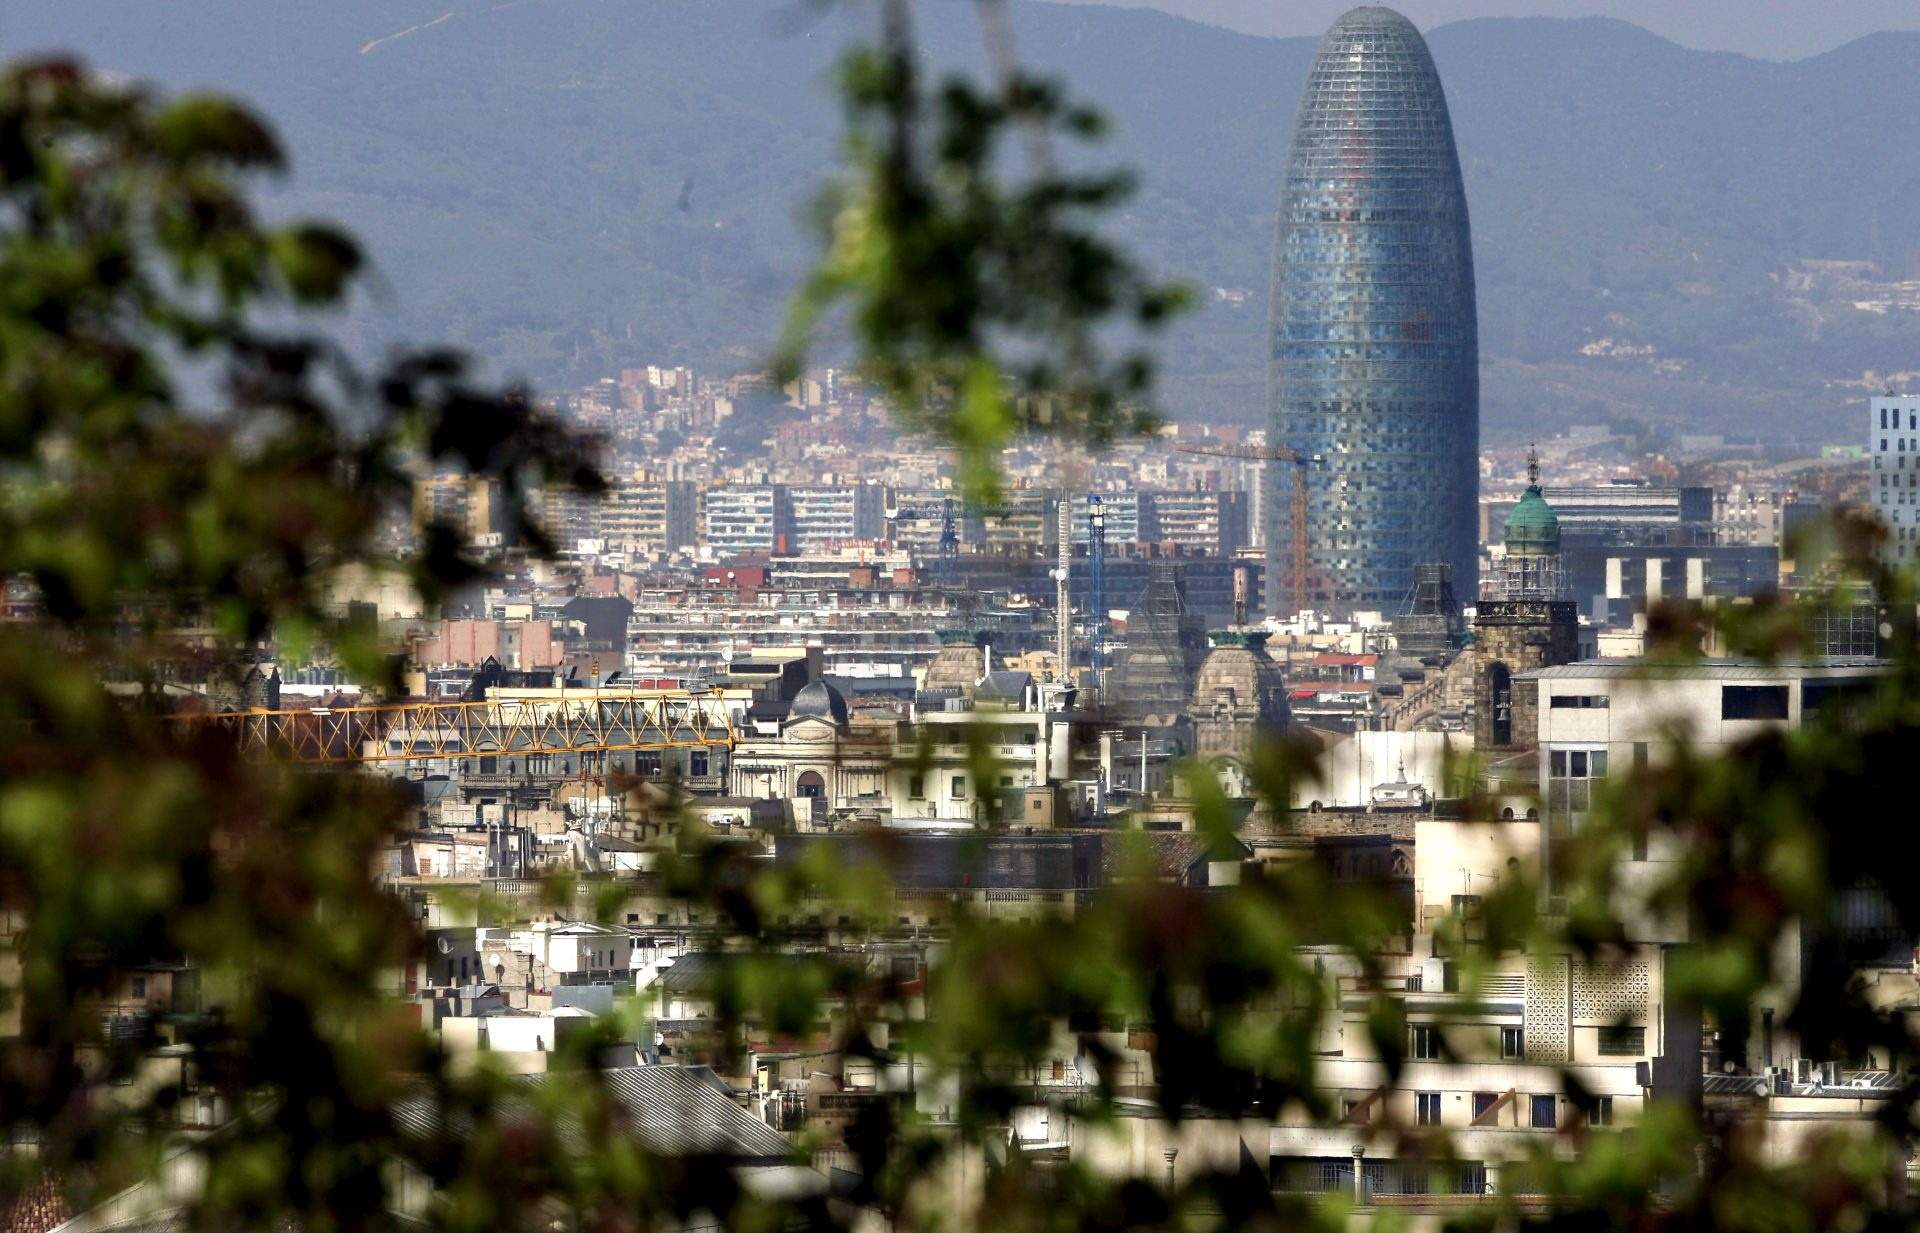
[[1515, 636], [1524, 622], [1239, 696]]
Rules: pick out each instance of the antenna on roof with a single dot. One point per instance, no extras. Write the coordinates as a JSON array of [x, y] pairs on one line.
[[1533, 465]]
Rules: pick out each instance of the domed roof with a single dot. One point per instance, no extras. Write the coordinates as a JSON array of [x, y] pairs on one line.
[[1239, 668], [1532, 526], [819, 700], [1370, 15]]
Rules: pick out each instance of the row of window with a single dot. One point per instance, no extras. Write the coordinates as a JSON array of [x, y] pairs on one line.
[[1543, 1109], [1621, 1040]]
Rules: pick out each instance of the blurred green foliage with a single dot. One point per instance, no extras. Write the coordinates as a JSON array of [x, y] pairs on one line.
[[128, 256], [982, 302]]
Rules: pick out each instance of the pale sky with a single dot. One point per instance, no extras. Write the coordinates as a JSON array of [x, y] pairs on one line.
[[1772, 29]]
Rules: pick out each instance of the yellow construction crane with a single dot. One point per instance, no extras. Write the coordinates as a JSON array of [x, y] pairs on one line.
[[1296, 506]]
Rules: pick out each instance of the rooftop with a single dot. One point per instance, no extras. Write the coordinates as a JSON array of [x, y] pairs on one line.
[[1709, 669]]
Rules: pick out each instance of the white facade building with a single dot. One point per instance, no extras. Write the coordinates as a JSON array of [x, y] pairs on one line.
[[830, 515], [743, 518], [1893, 439]]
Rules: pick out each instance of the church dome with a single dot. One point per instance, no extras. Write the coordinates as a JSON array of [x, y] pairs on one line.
[[1533, 528], [1239, 674], [819, 700]]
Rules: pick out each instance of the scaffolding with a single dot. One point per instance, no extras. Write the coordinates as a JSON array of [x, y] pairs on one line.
[[398, 732]]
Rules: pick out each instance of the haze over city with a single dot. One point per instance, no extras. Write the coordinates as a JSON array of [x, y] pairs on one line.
[[959, 616]]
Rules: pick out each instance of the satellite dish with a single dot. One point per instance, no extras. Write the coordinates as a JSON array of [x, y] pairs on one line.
[[445, 945]]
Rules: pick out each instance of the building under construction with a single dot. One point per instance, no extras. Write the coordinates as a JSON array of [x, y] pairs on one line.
[[1166, 642]]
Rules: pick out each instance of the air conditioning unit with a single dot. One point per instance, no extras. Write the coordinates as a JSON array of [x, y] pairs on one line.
[[1802, 1070]]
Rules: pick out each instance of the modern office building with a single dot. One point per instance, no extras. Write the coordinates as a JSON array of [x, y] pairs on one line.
[[1625, 511], [1893, 438], [1375, 344]]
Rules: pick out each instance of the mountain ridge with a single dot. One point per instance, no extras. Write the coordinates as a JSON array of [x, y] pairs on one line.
[[567, 190]]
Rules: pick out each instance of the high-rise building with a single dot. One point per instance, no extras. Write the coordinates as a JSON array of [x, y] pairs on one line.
[[1375, 346], [834, 515], [745, 518], [1210, 522], [650, 517], [1120, 517], [1893, 438]]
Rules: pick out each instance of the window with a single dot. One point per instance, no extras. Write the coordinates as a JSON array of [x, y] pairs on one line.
[[539, 764], [959, 789], [1571, 774], [916, 787], [1753, 702], [140, 986], [489, 765], [1817, 695], [1639, 767], [1427, 1106], [1482, 1101], [1543, 1113], [1578, 702], [698, 763], [1423, 1041], [1513, 1042], [1602, 1113], [1623, 1041]]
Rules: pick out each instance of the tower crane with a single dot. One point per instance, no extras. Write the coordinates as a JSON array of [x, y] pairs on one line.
[[1296, 504]]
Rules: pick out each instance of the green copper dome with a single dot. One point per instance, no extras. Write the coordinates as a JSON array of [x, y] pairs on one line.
[[1533, 527]]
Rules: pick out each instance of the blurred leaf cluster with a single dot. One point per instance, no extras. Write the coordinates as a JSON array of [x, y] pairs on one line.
[[984, 304], [129, 257]]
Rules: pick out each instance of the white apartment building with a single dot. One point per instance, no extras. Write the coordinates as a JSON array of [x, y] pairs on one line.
[[649, 517], [830, 515], [743, 518], [1120, 513], [1893, 439]]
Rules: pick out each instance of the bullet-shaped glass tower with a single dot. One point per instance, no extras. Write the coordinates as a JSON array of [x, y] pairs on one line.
[[1374, 376]]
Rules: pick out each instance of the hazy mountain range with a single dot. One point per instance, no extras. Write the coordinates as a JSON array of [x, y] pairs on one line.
[[566, 186], [1774, 29]]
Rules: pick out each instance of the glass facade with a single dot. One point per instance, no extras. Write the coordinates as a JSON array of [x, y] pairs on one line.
[[1375, 345]]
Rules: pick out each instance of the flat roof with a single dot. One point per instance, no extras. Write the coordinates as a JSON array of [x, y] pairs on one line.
[[1709, 669]]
